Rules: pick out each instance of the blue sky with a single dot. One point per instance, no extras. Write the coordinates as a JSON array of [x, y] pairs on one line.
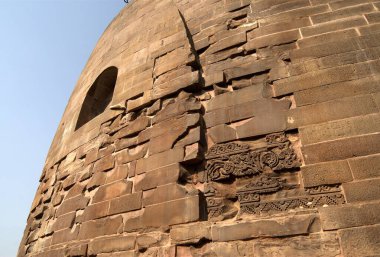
[[44, 45]]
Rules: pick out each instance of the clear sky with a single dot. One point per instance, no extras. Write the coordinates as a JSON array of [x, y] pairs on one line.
[[44, 45]]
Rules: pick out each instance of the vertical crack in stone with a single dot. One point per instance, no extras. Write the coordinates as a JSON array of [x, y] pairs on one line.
[[193, 50]]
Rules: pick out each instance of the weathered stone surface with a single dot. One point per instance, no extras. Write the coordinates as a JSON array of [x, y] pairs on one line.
[[94, 211], [332, 110], [101, 227], [111, 244], [362, 190], [192, 233], [119, 173], [65, 235], [361, 241], [164, 193], [96, 180], [342, 148], [64, 221], [222, 133], [341, 128], [134, 127], [177, 108], [72, 204], [113, 190], [365, 167], [350, 215], [173, 212], [131, 154], [222, 129], [106, 163], [327, 173], [159, 160], [296, 225], [161, 176], [325, 245], [126, 203]]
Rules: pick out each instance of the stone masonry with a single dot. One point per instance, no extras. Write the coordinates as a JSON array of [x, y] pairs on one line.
[[219, 128]]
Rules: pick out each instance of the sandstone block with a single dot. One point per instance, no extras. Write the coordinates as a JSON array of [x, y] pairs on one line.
[[216, 117], [78, 250], [141, 102], [131, 154], [94, 211], [229, 99], [342, 148], [161, 176], [328, 37], [126, 203], [325, 245], [249, 68], [100, 227], [64, 221], [177, 108], [150, 240], [365, 167], [361, 241], [227, 42], [133, 127], [113, 190], [296, 225], [222, 133], [158, 160], [72, 204], [119, 173], [373, 17], [343, 13], [314, 79], [111, 244], [333, 26], [340, 128], [106, 163], [164, 193], [332, 110], [166, 141], [273, 40], [262, 125], [119, 254], [65, 235], [191, 233], [96, 180], [350, 215], [76, 190], [184, 81], [364, 190], [295, 14], [279, 27], [326, 173], [173, 212]]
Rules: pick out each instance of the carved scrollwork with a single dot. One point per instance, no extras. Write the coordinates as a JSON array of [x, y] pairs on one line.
[[238, 160], [281, 205], [322, 189]]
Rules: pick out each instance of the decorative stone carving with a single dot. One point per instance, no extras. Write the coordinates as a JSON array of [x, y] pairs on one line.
[[322, 189], [263, 184], [280, 205], [238, 160]]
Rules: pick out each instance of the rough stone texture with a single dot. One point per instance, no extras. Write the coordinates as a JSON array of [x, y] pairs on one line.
[[219, 128]]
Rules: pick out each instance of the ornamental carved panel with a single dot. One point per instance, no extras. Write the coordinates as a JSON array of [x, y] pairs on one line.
[[260, 177]]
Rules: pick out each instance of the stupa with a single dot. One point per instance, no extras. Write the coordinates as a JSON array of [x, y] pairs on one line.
[[219, 128]]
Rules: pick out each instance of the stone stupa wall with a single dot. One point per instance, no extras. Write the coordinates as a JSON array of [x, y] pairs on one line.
[[219, 128]]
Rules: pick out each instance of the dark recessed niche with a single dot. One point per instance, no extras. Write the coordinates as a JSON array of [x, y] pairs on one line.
[[98, 96]]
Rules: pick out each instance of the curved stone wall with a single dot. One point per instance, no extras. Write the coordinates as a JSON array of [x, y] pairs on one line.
[[236, 128]]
